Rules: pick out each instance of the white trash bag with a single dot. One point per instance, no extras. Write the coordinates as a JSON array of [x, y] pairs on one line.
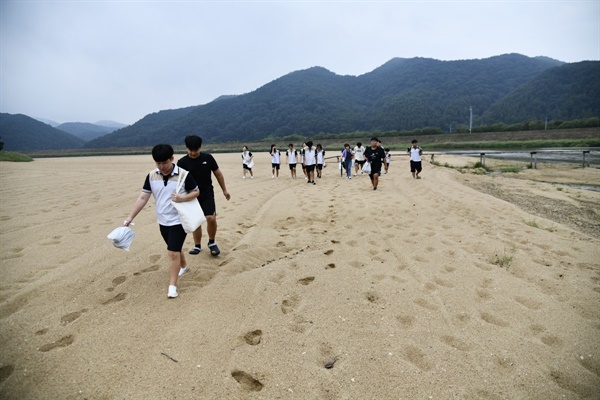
[[121, 237]]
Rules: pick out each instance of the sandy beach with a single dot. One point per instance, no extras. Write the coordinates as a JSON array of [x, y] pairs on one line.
[[454, 286]]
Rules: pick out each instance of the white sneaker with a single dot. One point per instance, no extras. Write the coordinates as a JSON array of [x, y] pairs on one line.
[[243, 177], [172, 292], [183, 270], [251, 177], [354, 174], [273, 177]]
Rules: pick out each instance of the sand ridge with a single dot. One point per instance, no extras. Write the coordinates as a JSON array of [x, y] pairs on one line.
[[423, 289]]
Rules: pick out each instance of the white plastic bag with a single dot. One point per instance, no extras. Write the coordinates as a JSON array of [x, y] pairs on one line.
[[121, 237], [366, 167], [190, 212]]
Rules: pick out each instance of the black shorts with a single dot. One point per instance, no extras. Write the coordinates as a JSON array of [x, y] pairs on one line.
[[276, 166], [361, 163], [174, 237], [208, 204], [415, 166], [292, 166], [310, 168], [303, 167], [319, 167], [247, 167]]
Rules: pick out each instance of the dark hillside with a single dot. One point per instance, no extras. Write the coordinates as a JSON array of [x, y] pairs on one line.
[[22, 133]]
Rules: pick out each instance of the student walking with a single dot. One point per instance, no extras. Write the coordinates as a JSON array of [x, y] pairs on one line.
[[275, 161], [320, 160], [291, 155], [309, 154], [347, 160], [387, 160], [201, 166], [247, 162], [161, 183], [375, 155], [359, 158], [415, 159]]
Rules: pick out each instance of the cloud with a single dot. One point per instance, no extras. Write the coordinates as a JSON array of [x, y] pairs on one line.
[[88, 61]]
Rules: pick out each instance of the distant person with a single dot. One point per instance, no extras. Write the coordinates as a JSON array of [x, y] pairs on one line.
[[275, 161], [301, 160], [161, 183], [201, 165], [415, 159], [320, 160], [309, 155], [375, 156], [247, 162], [292, 159], [387, 160], [347, 160], [359, 158]]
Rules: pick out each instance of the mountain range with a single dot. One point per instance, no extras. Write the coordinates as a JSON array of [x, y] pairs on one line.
[[402, 94]]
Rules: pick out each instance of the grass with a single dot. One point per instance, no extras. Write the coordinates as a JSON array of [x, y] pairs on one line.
[[14, 156], [502, 260]]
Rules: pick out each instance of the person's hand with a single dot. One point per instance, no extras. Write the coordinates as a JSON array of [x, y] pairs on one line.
[[127, 221], [227, 195], [175, 197]]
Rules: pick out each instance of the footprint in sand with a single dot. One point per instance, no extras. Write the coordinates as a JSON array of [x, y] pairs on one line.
[[116, 282], [455, 343], [67, 319], [306, 281], [492, 319], [116, 299], [5, 372], [62, 342], [328, 252], [253, 337], [330, 266], [415, 356], [152, 268], [247, 381], [289, 305]]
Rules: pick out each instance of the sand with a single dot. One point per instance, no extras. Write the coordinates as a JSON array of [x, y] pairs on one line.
[[425, 289]]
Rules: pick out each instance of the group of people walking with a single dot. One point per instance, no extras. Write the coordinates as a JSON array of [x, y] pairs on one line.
[[163, 184], [312, 160]]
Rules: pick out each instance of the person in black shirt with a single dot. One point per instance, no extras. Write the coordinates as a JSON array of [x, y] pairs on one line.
[[201, 165], [375, 156]]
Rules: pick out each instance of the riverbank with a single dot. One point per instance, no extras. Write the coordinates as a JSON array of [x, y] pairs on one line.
[[430, 288]]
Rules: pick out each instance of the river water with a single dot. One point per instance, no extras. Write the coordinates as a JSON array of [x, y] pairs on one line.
[[555, 155]]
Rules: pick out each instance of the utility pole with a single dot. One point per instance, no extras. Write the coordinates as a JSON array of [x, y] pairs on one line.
[[470, 118]]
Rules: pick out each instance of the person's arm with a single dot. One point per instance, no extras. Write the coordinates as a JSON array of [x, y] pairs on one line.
[[139, 204], [221, 179]]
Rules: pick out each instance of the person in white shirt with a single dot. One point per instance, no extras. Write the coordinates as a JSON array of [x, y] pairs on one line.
[[292, 159], [415, 159], [309, 155], [359, 158], [320, 160], [275, 161]]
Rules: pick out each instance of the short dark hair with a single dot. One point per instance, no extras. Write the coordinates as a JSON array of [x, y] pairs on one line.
[[162, 152], [309, 144], [359, 144], [414, 141], [193, 142], [375, 139]]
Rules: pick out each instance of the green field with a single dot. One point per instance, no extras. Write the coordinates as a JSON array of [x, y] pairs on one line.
[[520, 140]]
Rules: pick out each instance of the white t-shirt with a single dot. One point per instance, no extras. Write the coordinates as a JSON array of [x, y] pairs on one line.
[[291, 156], [310, 156], [275, 157], [414, 154], [359, 153]]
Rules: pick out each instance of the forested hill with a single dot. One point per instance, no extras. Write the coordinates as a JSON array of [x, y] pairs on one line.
[[402, 94], [22, 133]]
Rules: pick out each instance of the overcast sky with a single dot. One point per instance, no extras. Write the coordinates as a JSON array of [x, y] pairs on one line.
[[86, 61]]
